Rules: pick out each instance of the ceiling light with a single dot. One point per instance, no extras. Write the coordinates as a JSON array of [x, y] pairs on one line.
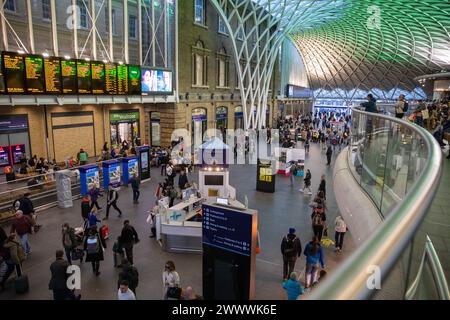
[[67, 57], [20, 51], [45, 55]]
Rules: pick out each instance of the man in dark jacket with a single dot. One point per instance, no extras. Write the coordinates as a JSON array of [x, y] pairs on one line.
[[134, 181], [370, 105], [291, 249], [130, 274], [58, 281], [113, 195], [182, 180], [322, 186], [329, 153], [3, 236], [85, 208], [128, 238]]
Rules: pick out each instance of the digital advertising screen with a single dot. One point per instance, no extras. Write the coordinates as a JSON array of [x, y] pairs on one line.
[[122, 79], [134, 76], [98, 77], [114, 174], [110, 78], [17, 150], [34, 74], [4, 156], [133, 168], [156, 81], [2, 78], [14, 72], [84, 77], [69, 76], [52, 68]]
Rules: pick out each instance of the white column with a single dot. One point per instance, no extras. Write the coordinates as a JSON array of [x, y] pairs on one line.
[[54, 28], [30, 26], [4, 29], [125, 31], [177, 92], [110, 28], [153, 35], [93, 29], [165, 33], [75, 12]]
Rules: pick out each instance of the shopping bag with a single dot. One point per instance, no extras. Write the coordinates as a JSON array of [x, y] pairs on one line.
[[104, 232], [326, 242]]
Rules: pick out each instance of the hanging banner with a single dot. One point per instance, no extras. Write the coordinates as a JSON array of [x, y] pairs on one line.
[[111, 173]]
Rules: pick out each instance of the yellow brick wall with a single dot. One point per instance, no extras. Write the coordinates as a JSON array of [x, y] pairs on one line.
[[68, 141]]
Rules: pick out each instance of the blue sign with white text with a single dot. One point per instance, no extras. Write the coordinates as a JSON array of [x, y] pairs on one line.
[[89, 178], [130, 167], [227, 229], [111, 173]]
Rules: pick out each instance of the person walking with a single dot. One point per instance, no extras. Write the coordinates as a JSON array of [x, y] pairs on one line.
[[291, 249], [322, 186], [14, 256], [85, 208], [318, 220], [135, 184], [23, 226], [128, 238], [69, 241], [340, 228], [171, 281], [293, 287], [314, 256], [92, 219], [182, 180], [293, 172], [94, 246], [307, 144], [58, 280], [130, 274], [124, 292], [329, 153], [113, 196], [307, 182], [94, 193]]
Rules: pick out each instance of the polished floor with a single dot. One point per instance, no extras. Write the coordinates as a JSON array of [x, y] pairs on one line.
[[285, 208]]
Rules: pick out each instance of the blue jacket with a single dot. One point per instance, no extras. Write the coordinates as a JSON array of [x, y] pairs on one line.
[[314, 259], [370, 106], [93, 220], [293, 288]]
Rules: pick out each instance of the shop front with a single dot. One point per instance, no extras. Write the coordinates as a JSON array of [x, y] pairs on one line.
[[14, 138], [199, 123], [124, 127]]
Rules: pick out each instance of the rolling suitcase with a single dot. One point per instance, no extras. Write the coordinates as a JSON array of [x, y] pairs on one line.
[[21, 283]]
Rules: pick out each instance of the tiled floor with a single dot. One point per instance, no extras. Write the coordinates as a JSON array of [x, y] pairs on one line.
[[277, 212]]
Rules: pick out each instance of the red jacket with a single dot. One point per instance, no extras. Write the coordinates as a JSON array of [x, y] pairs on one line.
[[21, 225]]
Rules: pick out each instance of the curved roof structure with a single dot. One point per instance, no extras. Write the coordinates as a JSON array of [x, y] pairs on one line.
[[374, 45]]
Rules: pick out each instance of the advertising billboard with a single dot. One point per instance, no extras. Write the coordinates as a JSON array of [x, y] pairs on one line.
[[156, 81]]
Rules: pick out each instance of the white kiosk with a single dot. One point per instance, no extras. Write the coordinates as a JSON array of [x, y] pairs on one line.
[[285, 157]]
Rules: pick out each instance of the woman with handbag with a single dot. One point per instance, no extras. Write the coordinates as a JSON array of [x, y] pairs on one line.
[[171, 282]]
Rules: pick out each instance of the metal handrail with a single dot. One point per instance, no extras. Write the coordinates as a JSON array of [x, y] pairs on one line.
[[430, 256], [388, 242]]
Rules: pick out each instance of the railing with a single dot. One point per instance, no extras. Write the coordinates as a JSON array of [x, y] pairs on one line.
[[399, 166]]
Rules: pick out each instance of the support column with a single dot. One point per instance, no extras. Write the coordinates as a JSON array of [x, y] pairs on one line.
[[110, 28], [4, 29], [165, 33], [93, 29], [153, 34], [54, 28], [30, 26], [125, 31], [75, 11]]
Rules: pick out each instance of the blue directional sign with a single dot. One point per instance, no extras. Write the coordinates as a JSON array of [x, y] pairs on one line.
[[227, 229]]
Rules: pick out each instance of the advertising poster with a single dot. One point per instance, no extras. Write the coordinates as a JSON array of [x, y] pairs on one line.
[[17, 151], [156, 81], [4, 156], [114, 174], [89, 178], [130, 166], [133, 168], [144, 155]]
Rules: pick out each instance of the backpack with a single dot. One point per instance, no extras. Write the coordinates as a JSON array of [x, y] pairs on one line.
[[405, 106], [317, 219], [289, 249], [67, 240], [93, 246]]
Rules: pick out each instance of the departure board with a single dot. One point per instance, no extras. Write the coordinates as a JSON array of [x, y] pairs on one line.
[[122, 79], [110, 78], [2, 79], [34, 74], [52, 68], [134, 75], [98, 77], [14, 72], [84, 77], [69, 76]]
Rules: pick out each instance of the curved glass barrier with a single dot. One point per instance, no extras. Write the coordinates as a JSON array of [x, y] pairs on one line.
[[399, 166]]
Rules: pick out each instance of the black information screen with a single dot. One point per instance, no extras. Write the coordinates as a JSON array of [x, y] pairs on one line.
[[122, 79], [134, 76], [98, 77], [14, 72], [69, 76], [213, 180], [34, 74], [52, 68], [2, 79], [84, 77], [110, 78]]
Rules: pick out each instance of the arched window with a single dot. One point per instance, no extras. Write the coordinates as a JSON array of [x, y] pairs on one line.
[[222, 68], [200, 62]]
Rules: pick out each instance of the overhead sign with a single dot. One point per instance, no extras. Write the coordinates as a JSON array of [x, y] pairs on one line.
[[13, 68], [123, 116], [52, 68], [69, 76], [84, 77], [13, 123], [34, 74], [227, 229]]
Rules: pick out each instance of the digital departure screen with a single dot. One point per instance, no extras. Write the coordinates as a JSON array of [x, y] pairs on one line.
[[110, 78], [34, 74], [52, 68], [2, 79], [69, 76], [134, 74], [84, 77], [122, 79], [13, 68], [98, 77]]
